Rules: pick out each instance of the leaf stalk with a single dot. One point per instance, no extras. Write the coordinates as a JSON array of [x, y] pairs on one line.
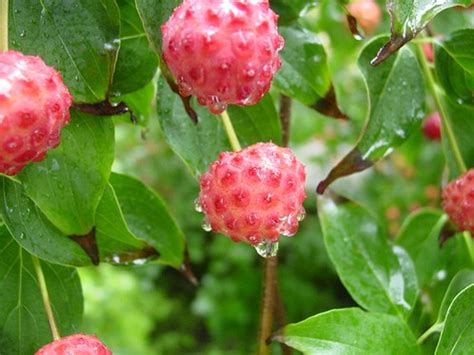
[[229, 128], [3, 25]]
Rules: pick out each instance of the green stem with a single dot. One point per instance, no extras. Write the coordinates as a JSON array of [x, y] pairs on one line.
[[467, 238], [45, 296], [229, 128], [447, 128], [3, 25], [435, 328]]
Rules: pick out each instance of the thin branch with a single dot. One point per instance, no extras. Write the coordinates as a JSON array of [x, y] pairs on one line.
[[285, 118], [229, 128], [3, 25]]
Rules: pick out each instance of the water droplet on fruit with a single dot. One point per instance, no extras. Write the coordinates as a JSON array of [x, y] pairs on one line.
[[267, 249], [206, 225], [301, 214], [197, 205]]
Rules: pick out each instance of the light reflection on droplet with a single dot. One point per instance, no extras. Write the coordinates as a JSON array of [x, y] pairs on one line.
[[206, 225], [301, 214], [197, 205], [267, 249]]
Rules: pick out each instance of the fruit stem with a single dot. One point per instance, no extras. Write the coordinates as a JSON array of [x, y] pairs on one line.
[[229, 128], [267, 307], [447, 128], [435, 328], [46, 301], [3, 25], [467, 238]]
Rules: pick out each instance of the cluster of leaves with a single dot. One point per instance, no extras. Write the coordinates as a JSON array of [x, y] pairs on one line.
[[71, 210]]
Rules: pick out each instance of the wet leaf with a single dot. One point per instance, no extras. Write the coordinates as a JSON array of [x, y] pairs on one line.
[[408, 18], [454, 64], [24, 326], [396, 101], [257, 123], [385, 280], [68, 185], [148, 219], [291, 10], [349, 331], [137, 62], [304, 75], [32, 229], [197, 144], [460, 281], [141, 104], [79, 39], [328, 106], [419, 236], [457, 336]]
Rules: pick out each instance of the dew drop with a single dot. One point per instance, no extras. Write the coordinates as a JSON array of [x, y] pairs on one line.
[[197, 205], [301, 214], [22, 236], [267, 249], [206, 225]]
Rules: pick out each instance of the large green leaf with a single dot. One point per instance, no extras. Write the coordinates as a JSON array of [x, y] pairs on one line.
[[137, 62], [33, 231], [409, 17], [68, 184], [350, 331], [304, 74], [197, 144], [24, 326], [458, 332], [141, 103], [460, 281], [396, 109], [257, 123], [291, 10], [419, 236], [455, 66], [149, 219], [379, 278], [79, 38]]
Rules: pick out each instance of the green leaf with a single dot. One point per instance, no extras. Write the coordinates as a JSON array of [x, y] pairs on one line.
[[257, 123], [24, 326], [68, 184], [137, 62], [33, 231], [455, 66], [460, 281], [304, 74], [79, 39], [141, 102], [148, 218], [385, 280], [419, 236], [291, 10], [350, 331], [408, 18], [153, 14], [396, 101], [462, 123], [197, 144], [457, 336]]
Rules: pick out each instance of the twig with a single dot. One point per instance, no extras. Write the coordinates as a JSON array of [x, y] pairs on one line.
[[3, 25]]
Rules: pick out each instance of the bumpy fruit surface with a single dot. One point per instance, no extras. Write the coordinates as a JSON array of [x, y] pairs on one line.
[[458, 201], [77, 344], [254, 195], [432, 127], [34, 107], [367, 14], [223, 52]]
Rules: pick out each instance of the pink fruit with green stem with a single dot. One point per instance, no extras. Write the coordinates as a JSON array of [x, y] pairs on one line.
[[254, 195], [223, 52], [34, 107], [77, 344], [458, 201]]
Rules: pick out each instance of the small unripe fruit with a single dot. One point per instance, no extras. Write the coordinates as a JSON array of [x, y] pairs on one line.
[[223, 52], [458, 201], [367, 14], [254, 195], [428, 51], [432, 127], [34, 107], [77, 344]]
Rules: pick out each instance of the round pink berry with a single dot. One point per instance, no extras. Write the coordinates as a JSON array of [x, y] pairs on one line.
[[34, 107], [432, 127], [77, 344], [255, 194], [223, 52], [458, 201]]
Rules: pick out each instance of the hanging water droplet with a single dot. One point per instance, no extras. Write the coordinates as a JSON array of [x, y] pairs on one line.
[[301, 214], [267, 249], [206, 225], [22, 33], [22, 235], [197, 205]]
